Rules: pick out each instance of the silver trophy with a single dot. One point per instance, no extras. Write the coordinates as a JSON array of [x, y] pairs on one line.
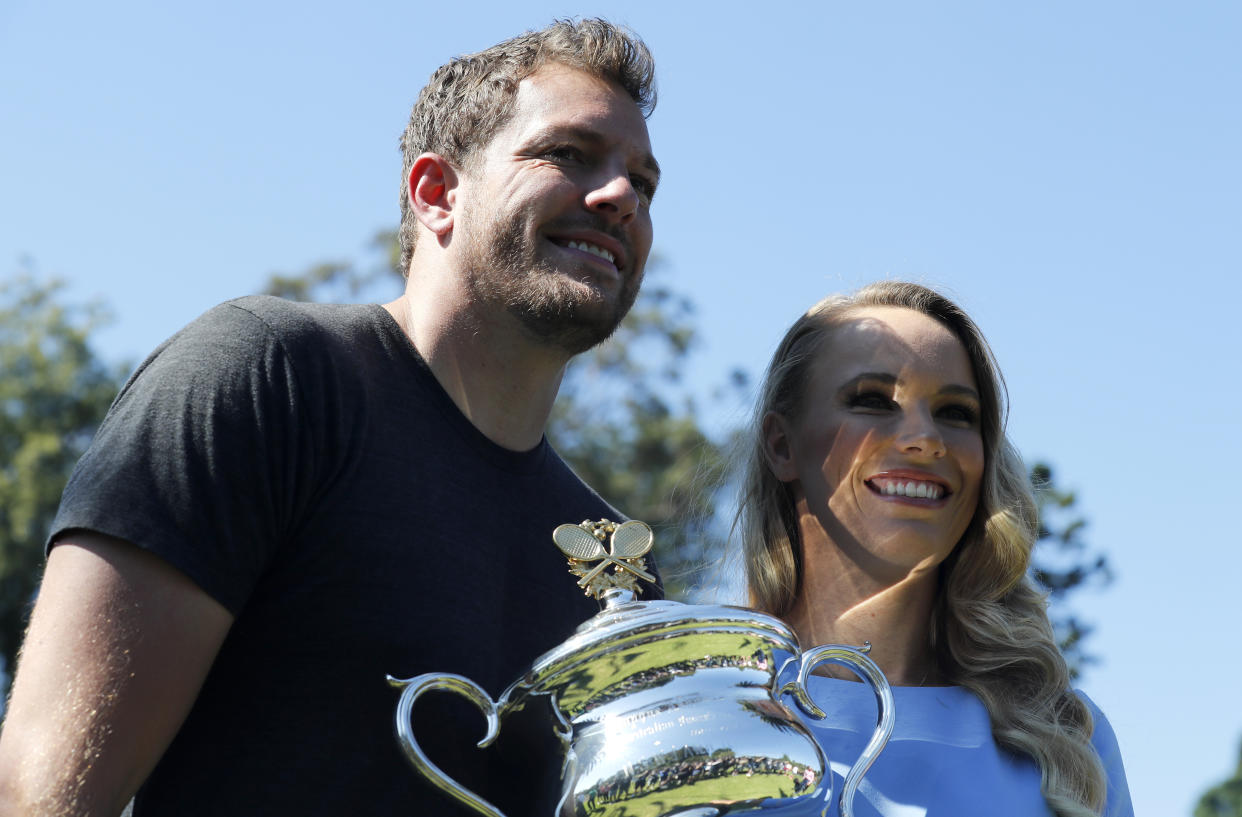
[[668, 708]]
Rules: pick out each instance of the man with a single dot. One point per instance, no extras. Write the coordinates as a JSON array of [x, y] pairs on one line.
[[287, 503]]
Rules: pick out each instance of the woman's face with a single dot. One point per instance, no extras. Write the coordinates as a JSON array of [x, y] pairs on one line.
[[885, 455]]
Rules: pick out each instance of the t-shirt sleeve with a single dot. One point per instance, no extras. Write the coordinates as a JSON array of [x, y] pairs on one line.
[[198, 458], [1105, 742]]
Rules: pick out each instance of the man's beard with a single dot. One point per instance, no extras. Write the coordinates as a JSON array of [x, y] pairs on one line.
[[554, 307]]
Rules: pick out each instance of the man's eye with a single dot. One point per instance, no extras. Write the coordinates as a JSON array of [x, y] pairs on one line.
[[644, 187], [563, 153]]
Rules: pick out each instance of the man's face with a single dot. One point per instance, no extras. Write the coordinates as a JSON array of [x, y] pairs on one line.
[[554, 213]]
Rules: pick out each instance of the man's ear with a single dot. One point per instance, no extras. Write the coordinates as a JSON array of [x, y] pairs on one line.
[[777, 447], [432, 190]]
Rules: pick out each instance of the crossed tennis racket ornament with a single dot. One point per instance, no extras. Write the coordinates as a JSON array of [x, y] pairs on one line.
[[584, 544]]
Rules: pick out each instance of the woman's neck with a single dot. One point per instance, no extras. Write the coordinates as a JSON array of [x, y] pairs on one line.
[[834, 607]]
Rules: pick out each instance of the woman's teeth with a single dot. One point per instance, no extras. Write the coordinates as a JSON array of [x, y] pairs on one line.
[[910, 488]]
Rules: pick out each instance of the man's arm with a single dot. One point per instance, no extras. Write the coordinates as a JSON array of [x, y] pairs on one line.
[[117, 650]]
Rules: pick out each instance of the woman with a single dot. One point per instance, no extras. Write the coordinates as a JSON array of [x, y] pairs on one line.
[[883, 503]]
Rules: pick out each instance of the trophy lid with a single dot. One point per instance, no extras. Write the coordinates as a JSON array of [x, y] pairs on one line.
[[629, 643]]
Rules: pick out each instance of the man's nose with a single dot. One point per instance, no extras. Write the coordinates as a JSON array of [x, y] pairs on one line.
[[615, 198]]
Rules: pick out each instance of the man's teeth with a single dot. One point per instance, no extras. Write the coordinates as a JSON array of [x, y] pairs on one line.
[[917, 490], [593, 250]]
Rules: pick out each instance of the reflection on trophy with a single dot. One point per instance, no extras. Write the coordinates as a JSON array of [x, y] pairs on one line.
[[667, 708]]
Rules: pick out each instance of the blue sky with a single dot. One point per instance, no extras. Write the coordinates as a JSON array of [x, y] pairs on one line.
[[1070, 172]]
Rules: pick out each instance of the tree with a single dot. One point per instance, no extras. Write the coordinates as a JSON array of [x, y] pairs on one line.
[[345, 281], [53, 393], [626, 424], [1225, 799], [1062, 563], [624, 420]]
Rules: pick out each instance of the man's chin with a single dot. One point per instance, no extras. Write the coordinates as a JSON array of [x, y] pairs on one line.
[[572, 334], [573, 315]]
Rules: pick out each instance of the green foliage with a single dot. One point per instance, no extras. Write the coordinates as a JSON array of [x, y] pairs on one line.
[[53, 393], [1062, 563], [623, 422], [1225, 799], [627, 426], [345, 281]]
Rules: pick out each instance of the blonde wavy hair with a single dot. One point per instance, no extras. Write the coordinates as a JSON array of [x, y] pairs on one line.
[[989, 629]]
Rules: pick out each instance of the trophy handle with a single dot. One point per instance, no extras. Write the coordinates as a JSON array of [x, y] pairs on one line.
[[856, 660], [405, 733]]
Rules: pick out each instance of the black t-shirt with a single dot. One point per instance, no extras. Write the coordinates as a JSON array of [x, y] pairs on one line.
[[303, 466]]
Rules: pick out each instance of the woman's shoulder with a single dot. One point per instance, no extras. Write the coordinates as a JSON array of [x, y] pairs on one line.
[[948, 729], [1104, 739]]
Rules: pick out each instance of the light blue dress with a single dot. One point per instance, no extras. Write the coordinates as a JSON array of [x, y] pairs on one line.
[[941, 760]]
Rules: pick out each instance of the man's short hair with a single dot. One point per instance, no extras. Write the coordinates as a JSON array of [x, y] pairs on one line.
[[467, 100]]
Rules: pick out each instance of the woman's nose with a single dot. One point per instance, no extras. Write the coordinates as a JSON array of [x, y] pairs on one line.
[[919, 434]]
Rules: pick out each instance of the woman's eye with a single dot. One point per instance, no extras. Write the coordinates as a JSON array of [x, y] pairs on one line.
[[963, 415], [871, 401]]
